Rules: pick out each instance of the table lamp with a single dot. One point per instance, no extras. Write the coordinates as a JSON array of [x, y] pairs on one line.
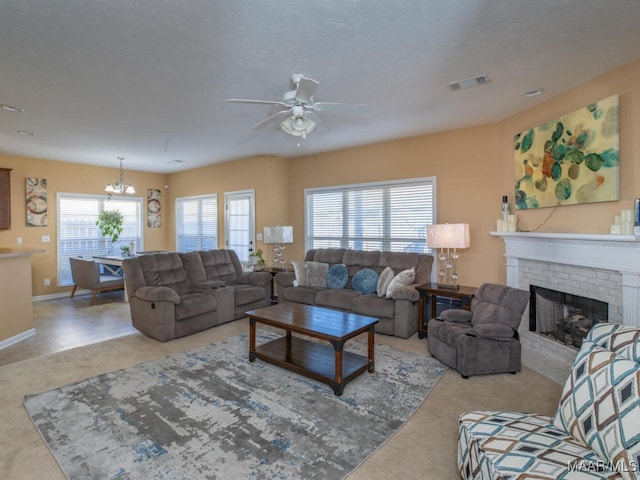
[[447, 238], [278, 236]]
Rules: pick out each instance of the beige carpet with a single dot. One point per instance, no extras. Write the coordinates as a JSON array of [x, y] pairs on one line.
[[424, 448]]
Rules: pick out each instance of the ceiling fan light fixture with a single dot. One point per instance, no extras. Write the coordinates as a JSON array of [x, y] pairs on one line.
[[298, 126]]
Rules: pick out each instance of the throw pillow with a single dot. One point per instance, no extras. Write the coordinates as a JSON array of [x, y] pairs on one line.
[[383, 281], [600, 406], [403, 279], [317, 274], [300, 270], [365, 281], [337, 276]]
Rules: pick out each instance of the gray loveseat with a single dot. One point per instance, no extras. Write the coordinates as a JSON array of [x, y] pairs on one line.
[[176, 294], [398, 315]]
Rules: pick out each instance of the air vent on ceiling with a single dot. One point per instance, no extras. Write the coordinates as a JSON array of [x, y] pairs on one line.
[[469, 82]]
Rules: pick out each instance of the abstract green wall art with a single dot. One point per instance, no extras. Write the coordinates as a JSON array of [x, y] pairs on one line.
[[574, 159]]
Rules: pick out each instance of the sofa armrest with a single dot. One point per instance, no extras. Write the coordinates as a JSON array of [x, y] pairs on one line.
[[456, 315], [285, 279], [406, 293], [494, 331], [157, 294]]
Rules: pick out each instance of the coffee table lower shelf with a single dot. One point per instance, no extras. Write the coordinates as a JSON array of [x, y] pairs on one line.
[[313, 360]]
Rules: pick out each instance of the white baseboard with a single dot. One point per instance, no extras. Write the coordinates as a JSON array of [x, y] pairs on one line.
[[58, 295], [17, 338]]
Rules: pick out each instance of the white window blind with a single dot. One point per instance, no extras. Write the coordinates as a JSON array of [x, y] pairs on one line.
[[390, 216], [197, 223], [78, 234]]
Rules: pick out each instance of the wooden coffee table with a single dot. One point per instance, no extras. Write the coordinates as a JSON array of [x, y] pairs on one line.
[[324, 363]]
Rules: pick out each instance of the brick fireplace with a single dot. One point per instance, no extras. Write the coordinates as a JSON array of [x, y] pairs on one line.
[[601, 267]]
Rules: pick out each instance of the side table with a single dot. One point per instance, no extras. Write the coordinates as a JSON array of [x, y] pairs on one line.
[[464, 294], [274, 271]]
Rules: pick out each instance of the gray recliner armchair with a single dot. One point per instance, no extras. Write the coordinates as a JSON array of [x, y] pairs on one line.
[[484, 339]]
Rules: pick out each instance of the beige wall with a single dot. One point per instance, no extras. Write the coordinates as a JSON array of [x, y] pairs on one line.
[[473, 168], [268, 176], [68, 178]]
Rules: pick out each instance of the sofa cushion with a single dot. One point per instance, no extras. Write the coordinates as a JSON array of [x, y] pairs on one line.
[[246, 294], [336, 298], [165, 270], [317, 274], [383, 281], [495, 303], [337, 276], [300, 271], [403, 279], [221, 265], [600, 406], [193, 304], [302, 294], [365, 281], [373, 306]]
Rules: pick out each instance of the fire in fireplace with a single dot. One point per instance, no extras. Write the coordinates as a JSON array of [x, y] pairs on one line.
[[564, 317]]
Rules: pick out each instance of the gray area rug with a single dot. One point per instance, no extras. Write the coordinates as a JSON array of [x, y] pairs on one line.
[[209, 413]]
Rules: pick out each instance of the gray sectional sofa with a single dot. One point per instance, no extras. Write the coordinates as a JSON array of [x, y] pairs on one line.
[[176, 294], [398, 315]]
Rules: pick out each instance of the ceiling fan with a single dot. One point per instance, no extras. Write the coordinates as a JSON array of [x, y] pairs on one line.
[[298, 115]]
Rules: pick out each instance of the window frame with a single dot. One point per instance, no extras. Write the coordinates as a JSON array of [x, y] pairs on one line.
[[201, 238], [385, 241], [95, 243]]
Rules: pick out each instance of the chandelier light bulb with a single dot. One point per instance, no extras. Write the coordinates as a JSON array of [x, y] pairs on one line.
[[120, 185]]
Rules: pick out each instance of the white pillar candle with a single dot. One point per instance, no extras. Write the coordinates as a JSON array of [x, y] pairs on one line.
[[615, 229]]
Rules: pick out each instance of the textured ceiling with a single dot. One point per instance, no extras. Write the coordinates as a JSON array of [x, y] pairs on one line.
[[148, 79]]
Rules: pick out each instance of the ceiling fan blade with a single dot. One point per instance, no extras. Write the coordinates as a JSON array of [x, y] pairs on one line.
[[342, 107], [276, 117], [258, 102], [305, 89], [312, 116]]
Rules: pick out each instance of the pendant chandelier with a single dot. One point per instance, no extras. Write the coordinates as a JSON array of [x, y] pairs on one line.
[[120, 185]]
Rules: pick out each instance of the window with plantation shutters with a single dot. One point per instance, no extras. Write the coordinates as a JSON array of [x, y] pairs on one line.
[[78, 234], [390, 216], [197, 223]]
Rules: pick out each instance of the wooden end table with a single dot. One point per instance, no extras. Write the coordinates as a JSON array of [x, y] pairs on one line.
[[327, 364], [464, 294]]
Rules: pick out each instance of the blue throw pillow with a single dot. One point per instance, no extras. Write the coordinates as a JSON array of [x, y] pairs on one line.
[[337, 276], [365, 281]]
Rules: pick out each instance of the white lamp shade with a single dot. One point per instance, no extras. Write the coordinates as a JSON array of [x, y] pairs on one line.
[[278, 234], [448, 235]]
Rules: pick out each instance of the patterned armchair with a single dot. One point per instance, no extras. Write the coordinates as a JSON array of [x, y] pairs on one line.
[[595, 433]]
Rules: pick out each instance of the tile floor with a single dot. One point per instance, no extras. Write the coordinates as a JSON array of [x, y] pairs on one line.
[[65, 323]]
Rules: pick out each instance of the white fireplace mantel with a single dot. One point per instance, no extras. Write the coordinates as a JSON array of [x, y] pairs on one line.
[[620, 253]]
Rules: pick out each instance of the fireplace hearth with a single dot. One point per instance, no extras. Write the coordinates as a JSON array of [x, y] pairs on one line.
[[562, 316]]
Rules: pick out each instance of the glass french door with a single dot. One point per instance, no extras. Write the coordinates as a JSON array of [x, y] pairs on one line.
[[239, 222]]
